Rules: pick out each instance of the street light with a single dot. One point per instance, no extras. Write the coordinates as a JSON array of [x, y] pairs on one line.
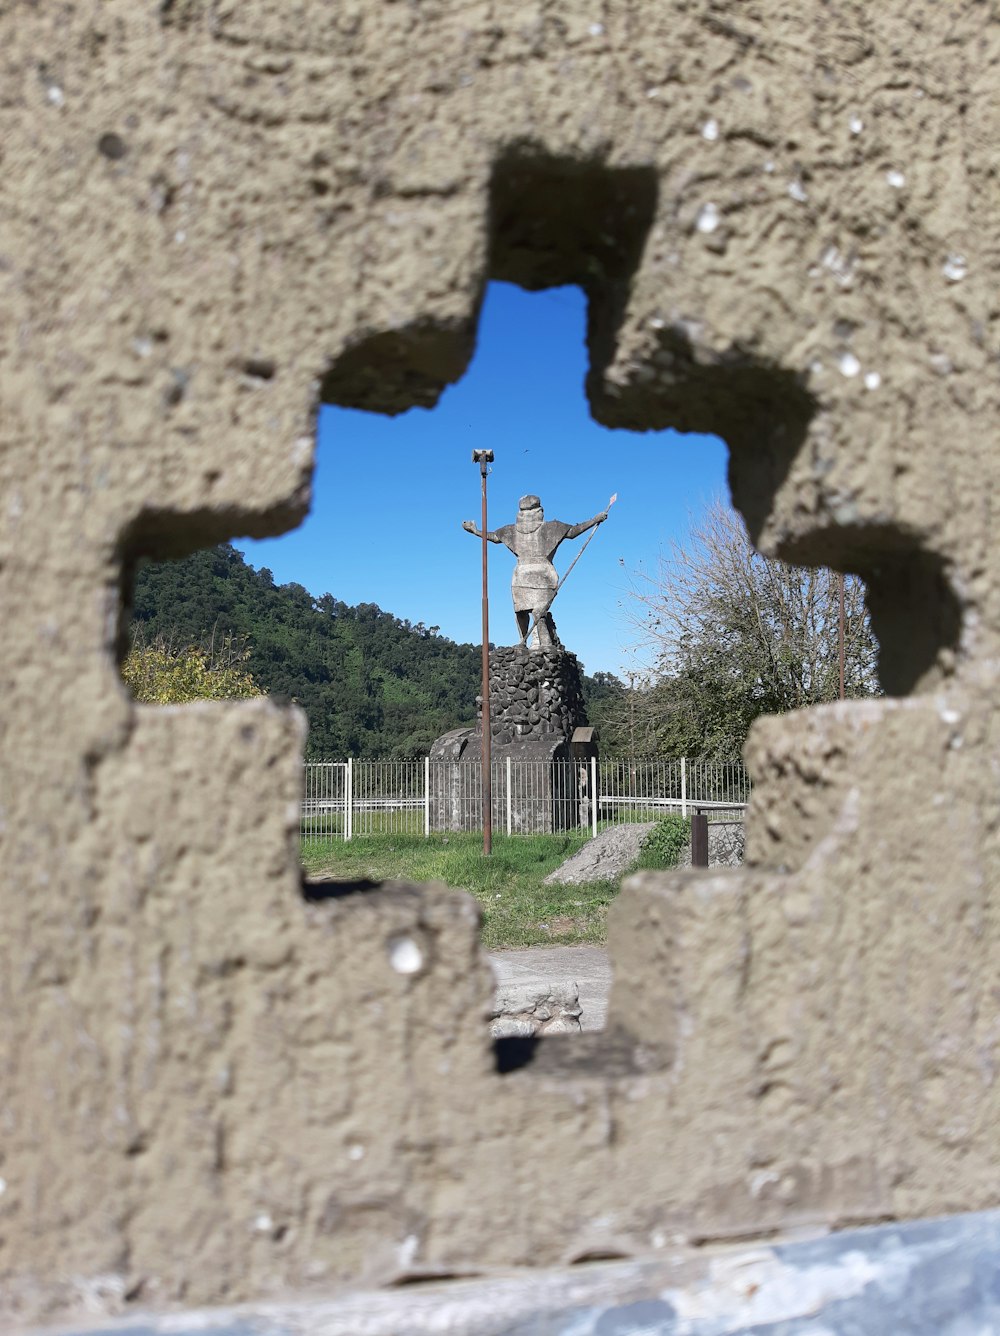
[[484, 458]]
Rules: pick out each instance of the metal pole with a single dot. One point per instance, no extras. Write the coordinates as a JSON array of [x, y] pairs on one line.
[[684, 790], [487, 738], [594, 801], [483, 458], [840, 636]]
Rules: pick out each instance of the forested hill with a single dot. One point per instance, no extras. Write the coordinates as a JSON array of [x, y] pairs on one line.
[[372, 685]]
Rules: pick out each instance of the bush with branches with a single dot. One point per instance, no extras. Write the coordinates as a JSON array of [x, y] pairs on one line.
[[159, 673], [735, 635]]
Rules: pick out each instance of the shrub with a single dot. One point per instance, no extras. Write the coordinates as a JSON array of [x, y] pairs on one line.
[[160, 674], [664, 842]]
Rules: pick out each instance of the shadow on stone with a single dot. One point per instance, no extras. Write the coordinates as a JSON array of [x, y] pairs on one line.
[[514, 1052], [317, 892]]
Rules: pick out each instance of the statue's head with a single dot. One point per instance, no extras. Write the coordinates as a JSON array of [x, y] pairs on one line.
[[530, 515]]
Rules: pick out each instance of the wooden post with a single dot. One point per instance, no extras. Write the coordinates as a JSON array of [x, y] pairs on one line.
[[699, 840]]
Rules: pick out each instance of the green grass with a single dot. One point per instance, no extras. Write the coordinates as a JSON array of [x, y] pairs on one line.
[[518, 910]]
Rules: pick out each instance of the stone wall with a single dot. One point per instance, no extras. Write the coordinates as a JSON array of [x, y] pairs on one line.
[[534, 693], [546, 791], [217, 216]]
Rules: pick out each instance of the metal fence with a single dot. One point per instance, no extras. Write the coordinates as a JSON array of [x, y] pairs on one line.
[[354, 798]]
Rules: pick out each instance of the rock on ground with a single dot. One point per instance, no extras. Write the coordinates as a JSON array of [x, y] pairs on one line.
[[521, 1010], [608, 855]]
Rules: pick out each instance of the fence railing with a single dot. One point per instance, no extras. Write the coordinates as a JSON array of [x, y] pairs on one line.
[[354, 798]]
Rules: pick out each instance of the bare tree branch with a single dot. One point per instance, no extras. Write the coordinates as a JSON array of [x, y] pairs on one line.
[[735, 635]]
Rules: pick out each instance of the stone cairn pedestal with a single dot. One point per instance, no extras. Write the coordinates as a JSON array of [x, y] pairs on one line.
[[536, 705], [534, 693]]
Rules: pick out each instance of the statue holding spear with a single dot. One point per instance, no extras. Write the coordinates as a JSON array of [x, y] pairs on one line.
[[534, 541]]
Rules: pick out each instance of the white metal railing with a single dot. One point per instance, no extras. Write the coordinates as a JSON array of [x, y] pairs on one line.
[[325, 799], [420, 796]]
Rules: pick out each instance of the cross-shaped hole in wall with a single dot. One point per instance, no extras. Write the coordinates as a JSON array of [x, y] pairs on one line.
[[687, 632]]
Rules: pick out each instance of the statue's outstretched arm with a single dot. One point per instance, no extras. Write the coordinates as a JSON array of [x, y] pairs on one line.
[[575, 530], [491, 537]]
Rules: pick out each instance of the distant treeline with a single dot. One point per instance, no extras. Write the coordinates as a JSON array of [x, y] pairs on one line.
[[370, 684]]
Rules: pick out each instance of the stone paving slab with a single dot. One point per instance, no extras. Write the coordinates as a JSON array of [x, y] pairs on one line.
[[923, 1278]]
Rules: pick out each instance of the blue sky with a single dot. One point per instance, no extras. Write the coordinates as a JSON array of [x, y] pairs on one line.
[[390, 494]]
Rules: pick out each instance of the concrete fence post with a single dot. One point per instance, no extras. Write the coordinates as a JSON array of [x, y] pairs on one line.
[[684, 786]]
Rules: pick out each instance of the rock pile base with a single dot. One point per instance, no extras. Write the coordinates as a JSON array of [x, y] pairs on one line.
[[534, 693], [536, 703]]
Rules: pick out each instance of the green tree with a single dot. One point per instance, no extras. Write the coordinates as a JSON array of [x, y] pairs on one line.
[[625, 714], [370, 683], [736, 635]]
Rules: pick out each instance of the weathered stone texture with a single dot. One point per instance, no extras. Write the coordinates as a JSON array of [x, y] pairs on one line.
[[536, 701], [534, 693], [607, 856], [524, 1011], [215, 215]]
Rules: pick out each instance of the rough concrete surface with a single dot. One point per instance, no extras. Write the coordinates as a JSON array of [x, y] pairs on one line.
[[535, 971], [214, 216], [608, 855], [537, 1007]]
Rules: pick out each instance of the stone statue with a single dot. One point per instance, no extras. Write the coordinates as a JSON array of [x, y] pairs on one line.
[[534, 541]]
